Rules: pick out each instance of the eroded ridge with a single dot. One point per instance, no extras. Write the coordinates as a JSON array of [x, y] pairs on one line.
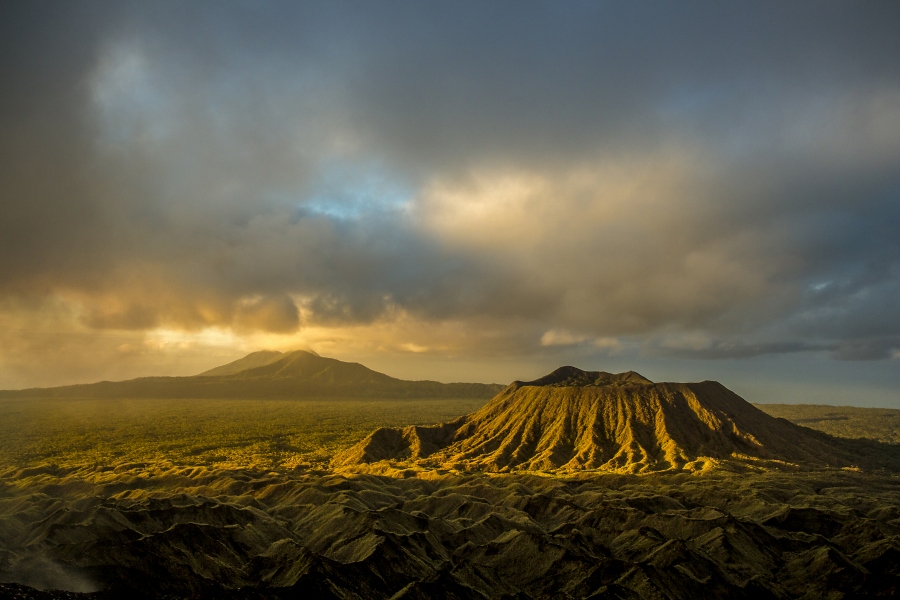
[[158, 531], [574, 420]]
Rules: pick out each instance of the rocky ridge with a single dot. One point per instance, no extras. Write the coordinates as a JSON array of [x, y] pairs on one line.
[[573, 420]]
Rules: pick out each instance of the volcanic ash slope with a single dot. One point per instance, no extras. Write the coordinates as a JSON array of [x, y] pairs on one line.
[[574, 420]]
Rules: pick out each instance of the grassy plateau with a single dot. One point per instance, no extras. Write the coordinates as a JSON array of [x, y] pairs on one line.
[[228, 433]]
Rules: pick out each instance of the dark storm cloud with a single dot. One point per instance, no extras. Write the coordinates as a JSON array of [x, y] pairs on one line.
[[868, 349], [47, 206], [721, 168], [452, 85], [716, 350]]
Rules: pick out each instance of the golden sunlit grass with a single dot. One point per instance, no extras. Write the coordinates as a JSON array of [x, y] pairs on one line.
[[879, 424], [224, 433], [275, 433]]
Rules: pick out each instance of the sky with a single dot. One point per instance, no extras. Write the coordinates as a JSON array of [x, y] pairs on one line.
[[466, 191]]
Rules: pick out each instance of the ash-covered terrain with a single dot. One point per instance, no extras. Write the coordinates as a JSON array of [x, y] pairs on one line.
[[577, 485]]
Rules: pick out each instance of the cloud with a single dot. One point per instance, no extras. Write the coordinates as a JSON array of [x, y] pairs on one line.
[[556, 337], [868, 349], [445, 178], [561, 337], [719, 350], [278, 314]]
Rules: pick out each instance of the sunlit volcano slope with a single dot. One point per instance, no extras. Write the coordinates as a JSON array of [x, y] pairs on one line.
[[573, 420]]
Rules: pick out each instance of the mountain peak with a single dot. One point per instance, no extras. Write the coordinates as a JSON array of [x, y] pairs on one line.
[[569, 376], [254, 360], [251, 361]]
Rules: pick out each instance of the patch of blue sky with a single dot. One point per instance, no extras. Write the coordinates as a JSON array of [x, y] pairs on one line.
[[350, 192]]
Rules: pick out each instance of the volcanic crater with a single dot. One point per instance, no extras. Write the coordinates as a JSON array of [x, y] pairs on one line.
[[573, 420]]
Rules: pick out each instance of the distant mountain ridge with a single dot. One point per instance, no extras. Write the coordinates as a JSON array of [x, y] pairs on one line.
[[574, 420], [270, 374]]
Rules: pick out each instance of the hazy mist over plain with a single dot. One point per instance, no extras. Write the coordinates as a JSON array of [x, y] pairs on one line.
[[455, 191]]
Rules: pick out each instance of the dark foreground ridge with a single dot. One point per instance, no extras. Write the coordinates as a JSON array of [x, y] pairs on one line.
[[573, 420], [197, 533], [270, 374]]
